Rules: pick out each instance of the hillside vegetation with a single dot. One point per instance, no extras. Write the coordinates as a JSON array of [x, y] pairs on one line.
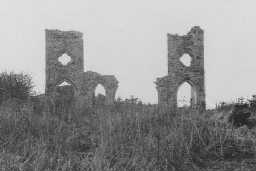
[[128, 136]]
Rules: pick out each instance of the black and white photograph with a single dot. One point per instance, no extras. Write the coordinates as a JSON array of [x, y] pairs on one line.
[[127, 85]]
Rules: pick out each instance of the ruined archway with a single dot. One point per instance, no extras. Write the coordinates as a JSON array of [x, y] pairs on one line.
[[65, 62], [99, 90], [187, 95], [66, 87], [66, 90], [99, 95], [184, 95], [65, 94], [191, 46]]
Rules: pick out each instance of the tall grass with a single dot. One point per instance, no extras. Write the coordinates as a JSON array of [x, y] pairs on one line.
[[123, 137]]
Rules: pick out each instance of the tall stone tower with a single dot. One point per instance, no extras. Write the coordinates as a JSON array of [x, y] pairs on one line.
[[83, 83], [59, 43], [178, 73]]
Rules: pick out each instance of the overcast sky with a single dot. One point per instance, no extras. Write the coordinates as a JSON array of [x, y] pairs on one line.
[[128, 39]]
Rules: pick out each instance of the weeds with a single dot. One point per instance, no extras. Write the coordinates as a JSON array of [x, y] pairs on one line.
[[122, 137]]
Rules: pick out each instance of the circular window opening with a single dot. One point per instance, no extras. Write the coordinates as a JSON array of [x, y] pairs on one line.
[[186, 60], [64, 59]]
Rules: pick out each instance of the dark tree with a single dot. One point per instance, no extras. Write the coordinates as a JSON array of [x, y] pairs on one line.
[[12, 85]]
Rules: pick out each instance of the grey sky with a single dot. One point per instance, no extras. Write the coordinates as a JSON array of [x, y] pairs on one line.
[[128, 39]]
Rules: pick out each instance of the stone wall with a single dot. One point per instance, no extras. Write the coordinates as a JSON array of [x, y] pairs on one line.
[[57, 44], [84, 83], [167, 87]]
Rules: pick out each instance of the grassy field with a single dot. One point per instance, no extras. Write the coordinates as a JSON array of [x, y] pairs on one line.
[[124, 137]]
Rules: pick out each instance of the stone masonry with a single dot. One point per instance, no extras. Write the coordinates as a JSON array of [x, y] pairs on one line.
[[84, 83], [167, 87]]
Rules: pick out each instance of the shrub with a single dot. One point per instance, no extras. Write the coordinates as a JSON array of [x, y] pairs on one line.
[[14, 85]]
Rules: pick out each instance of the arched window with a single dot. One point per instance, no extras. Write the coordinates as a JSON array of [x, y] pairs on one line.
[[99, 90], [99, 95], [64, 83], [65, 90], [184, 93], [64, 98]]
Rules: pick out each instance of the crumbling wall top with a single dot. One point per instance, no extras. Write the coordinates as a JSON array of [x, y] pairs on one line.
[[63, 34], [194, 30]]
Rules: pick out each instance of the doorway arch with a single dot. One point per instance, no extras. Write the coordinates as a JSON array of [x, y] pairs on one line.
[[99, 97], [99, 90], [64, 97], [186, 94]]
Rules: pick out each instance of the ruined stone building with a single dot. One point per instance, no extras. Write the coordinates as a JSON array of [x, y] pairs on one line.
[[178, 73], [70, 43]]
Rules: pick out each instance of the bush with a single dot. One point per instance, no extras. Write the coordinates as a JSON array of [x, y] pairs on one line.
[[13, 85]]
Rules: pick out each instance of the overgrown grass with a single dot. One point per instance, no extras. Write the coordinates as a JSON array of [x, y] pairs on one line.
[[124, 137]]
